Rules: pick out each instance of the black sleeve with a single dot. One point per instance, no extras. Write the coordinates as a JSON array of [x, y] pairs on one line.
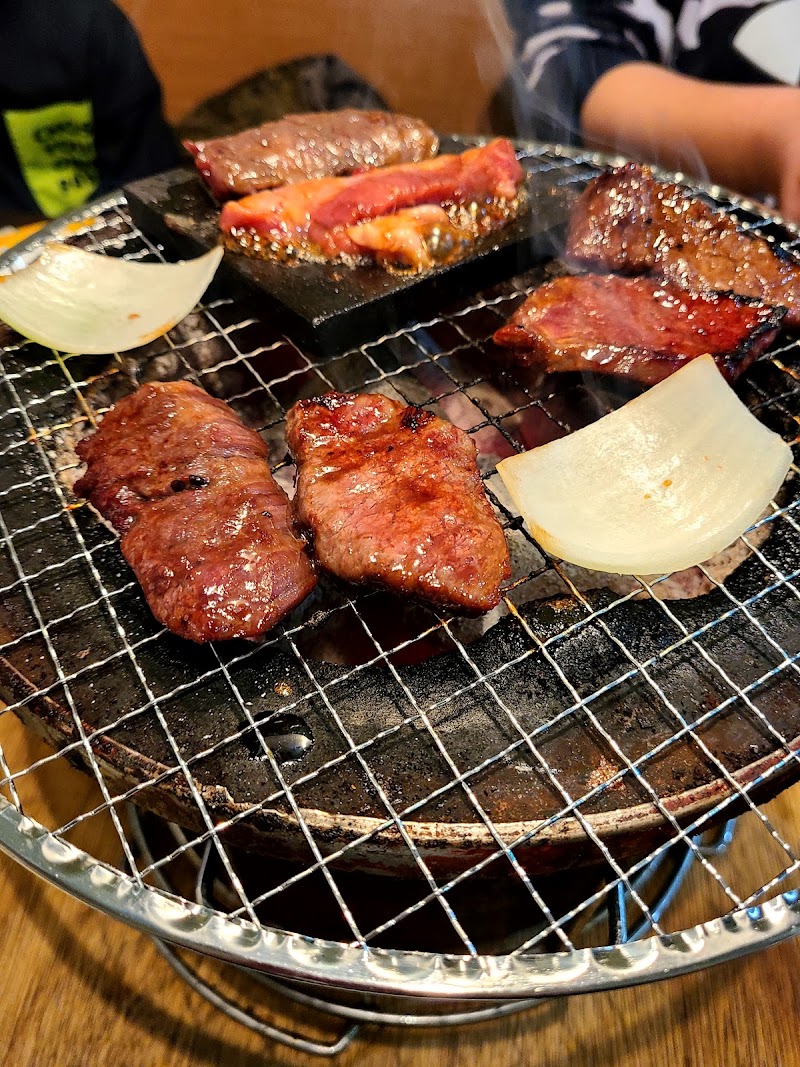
[[132, 138], [564, 46]]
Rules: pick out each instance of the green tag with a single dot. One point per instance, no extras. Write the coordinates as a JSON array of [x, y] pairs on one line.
[[55, 149]]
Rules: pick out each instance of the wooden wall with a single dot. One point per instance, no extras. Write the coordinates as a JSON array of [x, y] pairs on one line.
[[439, 59]]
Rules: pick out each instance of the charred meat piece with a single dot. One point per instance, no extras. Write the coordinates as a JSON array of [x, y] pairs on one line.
[[314, 219], [639, 328], [627, 221], [392, 496], [316, 145], [204, 525]]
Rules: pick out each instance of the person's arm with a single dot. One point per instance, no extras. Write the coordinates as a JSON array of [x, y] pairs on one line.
[[564, 48], [742, 136]]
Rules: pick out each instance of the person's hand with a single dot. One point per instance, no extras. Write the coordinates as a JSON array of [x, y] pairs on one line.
[[789, 194], [783, 142], [746, 137]]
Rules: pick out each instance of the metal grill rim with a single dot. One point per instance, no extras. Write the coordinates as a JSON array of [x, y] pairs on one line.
[[239, 937]]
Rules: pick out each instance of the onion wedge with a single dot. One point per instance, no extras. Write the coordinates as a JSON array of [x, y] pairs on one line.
[[661, 484], [77, 301]]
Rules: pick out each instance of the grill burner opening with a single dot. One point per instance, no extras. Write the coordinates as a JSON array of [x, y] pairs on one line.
[[405, 632]]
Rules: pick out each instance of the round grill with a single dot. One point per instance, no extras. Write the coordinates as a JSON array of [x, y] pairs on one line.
[[383, 798]]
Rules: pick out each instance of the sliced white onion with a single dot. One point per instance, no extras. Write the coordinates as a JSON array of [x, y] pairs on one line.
[[77, 301], [661, 484]]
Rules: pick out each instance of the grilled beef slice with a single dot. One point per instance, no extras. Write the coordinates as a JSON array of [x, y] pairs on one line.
[[204, 525], [392, 496], [316, 217], [626, 221], [315, 145], [639, 328]]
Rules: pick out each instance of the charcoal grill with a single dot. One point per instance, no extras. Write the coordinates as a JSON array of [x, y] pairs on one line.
[[337, 804]]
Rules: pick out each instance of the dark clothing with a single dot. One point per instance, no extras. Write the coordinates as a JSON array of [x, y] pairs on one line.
[[565, 46], [81, 108]]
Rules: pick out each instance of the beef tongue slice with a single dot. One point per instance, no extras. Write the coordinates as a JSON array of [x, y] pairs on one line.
[[392, 496]]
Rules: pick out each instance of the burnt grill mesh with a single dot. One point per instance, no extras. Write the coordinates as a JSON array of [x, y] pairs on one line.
[[244, 745]]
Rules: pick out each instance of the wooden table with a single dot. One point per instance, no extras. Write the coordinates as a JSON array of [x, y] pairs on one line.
[[77, 988]]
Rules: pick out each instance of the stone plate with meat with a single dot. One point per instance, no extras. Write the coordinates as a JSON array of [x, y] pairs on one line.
[[332, 306]]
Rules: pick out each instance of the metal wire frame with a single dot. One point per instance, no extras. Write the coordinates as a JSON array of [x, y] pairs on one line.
[[392, 1013], [426, 352]]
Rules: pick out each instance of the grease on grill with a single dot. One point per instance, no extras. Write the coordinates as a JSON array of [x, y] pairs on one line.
[[288, 737]]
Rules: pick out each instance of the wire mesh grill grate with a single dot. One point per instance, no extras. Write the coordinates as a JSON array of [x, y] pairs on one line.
[[399, 768]]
